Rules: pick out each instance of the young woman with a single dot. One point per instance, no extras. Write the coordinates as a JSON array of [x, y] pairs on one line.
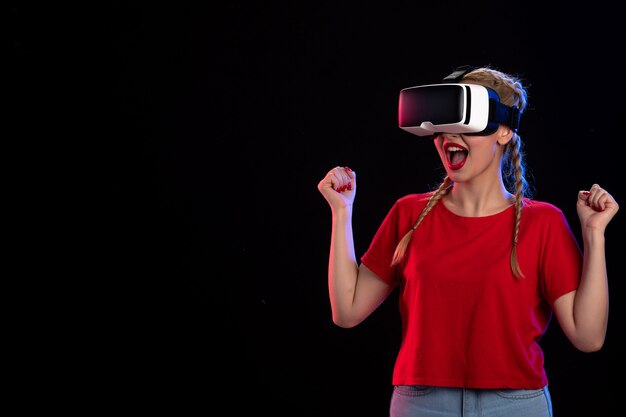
[[480, 269]]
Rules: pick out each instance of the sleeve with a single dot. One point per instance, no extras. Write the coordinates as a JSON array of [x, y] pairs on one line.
[[380, 252], [561, 265]]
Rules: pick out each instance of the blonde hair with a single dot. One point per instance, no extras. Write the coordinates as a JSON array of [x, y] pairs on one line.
[[512, 93]]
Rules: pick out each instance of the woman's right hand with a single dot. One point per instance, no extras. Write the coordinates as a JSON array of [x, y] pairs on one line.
[[338, 187]]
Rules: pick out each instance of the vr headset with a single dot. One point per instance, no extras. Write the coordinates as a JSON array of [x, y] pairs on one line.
[[453, 107]]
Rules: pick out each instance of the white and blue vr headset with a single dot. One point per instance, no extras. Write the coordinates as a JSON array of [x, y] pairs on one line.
[[453, 107]]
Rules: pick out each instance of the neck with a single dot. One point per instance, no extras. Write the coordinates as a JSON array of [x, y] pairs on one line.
[[478, 200]]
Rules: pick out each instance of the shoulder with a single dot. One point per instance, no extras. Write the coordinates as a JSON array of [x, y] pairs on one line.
[[413, 199], [542, 211], [412, 202], [542, 207], [405, 212]]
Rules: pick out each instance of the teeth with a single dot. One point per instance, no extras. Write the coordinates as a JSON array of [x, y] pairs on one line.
[[454, 149]]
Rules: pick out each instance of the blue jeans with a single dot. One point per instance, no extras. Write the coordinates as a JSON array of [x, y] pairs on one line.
[[427, 401]]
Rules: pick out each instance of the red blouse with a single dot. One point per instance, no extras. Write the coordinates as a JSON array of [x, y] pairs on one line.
[[466, 320]]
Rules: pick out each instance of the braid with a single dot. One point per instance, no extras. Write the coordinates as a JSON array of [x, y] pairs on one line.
[[442, 190], [520, 187]]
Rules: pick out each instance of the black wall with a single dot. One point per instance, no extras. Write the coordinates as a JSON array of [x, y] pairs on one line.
[[198, 134]]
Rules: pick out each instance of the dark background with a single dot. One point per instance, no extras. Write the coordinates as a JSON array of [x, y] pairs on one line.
[[188, 141]]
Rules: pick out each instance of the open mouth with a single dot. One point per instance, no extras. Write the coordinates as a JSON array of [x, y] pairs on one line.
[[456, 155]]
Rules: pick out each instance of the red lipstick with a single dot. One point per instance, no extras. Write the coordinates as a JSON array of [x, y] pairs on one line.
[[456, 155]]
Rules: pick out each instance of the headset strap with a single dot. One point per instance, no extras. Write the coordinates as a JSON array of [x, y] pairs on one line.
[[458, 73], [509, 116]]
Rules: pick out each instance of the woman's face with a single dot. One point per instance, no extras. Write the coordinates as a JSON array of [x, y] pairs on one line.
[[466, 158]]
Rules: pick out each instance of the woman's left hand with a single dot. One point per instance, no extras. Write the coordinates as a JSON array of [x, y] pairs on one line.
[[595, 208]]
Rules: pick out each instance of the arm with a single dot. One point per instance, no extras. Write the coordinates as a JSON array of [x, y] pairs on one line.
[[355, 292], [583, 314]]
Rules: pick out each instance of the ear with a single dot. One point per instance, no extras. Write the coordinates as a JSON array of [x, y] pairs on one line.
[[504, 134]]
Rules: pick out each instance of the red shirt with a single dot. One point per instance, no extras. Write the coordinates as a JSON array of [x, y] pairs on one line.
[[466, 320]]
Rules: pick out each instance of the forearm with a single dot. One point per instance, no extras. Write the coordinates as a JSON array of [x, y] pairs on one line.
[[591, 305], [342, 267]]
